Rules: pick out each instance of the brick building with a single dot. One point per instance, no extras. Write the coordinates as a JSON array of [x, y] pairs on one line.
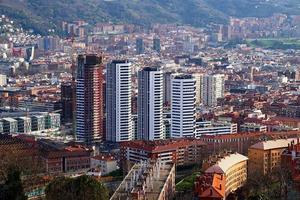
[[178, 151]]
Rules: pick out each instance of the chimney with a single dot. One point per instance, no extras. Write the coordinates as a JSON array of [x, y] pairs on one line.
[[211, 192], [220, 186]]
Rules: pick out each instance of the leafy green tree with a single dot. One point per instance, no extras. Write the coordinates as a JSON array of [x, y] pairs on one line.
[[80, 188], [12, 188]]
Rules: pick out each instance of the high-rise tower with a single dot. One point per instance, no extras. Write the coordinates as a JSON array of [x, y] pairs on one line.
[[89, 99], [183, 106], [212, 89], [150, 104], [118, 101]]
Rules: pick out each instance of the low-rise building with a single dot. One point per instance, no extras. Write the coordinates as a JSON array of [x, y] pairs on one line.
[[147, 180], [253, 127], [290, 161], [225, 175], [210, 187], [24, 124], [265, 157], [38, 123], [10, 125], [52, 121], [241, 142], [60, 158], [184, 151], [215, 128], [105, 163]]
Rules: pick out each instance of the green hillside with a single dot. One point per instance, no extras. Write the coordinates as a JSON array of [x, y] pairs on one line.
[[43, 14]]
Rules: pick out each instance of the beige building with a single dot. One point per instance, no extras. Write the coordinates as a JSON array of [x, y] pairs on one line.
[[265, 156], [233, 168]]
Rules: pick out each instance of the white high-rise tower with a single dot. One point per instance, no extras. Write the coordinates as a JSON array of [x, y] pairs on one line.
[[118, 101], [212, 89], [183, 106], [150, 104]]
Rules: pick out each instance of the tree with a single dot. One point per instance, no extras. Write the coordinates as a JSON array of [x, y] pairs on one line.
[[12, 188], [80, 188]]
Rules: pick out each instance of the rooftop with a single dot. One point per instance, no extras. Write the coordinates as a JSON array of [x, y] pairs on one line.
[[161, 145], [184, 76], [273, 144], [226, 163]]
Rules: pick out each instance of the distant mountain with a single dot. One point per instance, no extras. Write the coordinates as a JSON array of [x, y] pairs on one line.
[[43, 14]]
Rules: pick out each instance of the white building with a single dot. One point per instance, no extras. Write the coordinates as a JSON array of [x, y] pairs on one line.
[[212, 89], [150, 104], [183, 106], [215, 128], [118, 101], [199, 87], [253, 127], [3, 80], [104, 163]]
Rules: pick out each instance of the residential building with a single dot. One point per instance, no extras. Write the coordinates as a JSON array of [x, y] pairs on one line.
[[167, 88], [67, 101], [253, 127], [229, 170], [212, 89], [106, 163], [156, 45], [199, 87], [89, 99], [214, 128], [241, 142], [3, 80], [118, 101], [52, 121], [24, 124], [185, 151], [183, 106], [10, 125], [140, 46], [150, 104], [265, 157], [147, 180], [290, 162], [60, 158]]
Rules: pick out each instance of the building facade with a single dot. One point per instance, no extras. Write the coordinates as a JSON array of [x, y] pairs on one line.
[[232, 171], [118, 101], [185, 151], [265, 157], [150, 104], [212, 89], [215, 128], [67, 101], [147, 180], [89, 99], [183, 97]]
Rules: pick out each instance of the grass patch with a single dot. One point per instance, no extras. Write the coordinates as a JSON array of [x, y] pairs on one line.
[[116, 173], [275, 43], [187, 183]]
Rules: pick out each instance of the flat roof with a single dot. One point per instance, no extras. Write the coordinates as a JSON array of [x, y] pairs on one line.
[[273, 144]]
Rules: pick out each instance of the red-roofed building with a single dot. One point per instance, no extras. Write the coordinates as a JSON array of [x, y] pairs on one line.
[[240, 142], [59, 158], [290, 160], [210, 187], [179, 151], [106, 163]]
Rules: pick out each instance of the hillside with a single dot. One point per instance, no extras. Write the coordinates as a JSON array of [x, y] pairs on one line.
[[43, 14]]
